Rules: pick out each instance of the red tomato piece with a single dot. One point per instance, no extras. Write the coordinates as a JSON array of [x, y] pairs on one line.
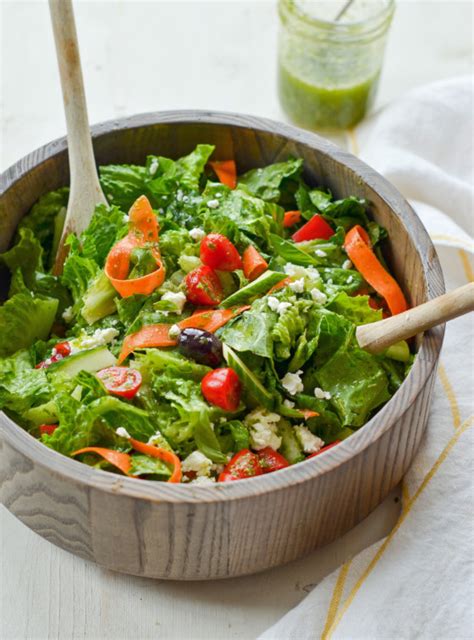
[[316, 228], [222, 387], [291, 218], [121, 381], [47, 429], [245, 464], [218, 252], [328, 446], [63, 349], [271, 460], [203, 287]]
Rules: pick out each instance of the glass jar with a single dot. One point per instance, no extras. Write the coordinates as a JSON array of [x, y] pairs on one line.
[[330, 57]]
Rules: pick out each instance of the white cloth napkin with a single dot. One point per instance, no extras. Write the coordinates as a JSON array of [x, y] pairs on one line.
[[418, 582]]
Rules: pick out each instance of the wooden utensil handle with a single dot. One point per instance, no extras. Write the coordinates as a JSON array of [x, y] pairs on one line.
[[377, 336], [81, 155]]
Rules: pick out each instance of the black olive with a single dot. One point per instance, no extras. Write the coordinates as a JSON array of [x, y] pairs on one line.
[[201, 346]]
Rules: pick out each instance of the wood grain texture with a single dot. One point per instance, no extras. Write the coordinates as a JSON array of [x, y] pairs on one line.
[[194, 533]]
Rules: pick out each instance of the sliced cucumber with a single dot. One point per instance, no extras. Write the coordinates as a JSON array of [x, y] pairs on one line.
[[290, 447], [91, 360], [399, 351], [258, 287], [250, 383]]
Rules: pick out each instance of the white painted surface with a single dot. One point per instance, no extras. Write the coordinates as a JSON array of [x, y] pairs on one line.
[[145, 56]]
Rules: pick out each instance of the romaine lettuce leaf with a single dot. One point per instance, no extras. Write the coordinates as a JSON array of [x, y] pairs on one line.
[[357, 384], [25, 318], [354, 308], [21, 385], [265, 182], [107, 226], [41, 220]]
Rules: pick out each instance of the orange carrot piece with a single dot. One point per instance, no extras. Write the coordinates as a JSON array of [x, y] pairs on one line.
[[307, 413], [157, 335], [163, 454], [143, 229], [280, 285], [120, 460], [366, 262], [226, 171], [291, 218], [254, 263]]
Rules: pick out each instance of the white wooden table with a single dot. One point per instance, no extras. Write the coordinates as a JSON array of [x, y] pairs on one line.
[[147, 56]]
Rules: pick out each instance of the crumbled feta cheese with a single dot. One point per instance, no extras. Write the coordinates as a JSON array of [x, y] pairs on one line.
[[322, 395], [197, 234], [297, 286], [287, 403], [218, 195], [156, 438], [347, 264], [320, 253], [126, 217], [297, 271], [179, 195], [198, 463], [213, 204], [122, 432], [276, 305], [203, 480], [263, 429], [174, 331], [292, 382], [309, 442], [330, 281], [318, 296], [178, 299], [349, 279], [99, 338], [153, 166], [68, 315]]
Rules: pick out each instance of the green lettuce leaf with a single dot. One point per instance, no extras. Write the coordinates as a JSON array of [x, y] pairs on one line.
[[41, 220], [265, 182], [106, 227], [21, 385], [354, 308], [25, 318]]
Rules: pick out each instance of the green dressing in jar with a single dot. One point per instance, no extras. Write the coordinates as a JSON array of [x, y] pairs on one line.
[[329, 70]]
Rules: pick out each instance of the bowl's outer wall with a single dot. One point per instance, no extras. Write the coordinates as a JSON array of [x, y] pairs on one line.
[[160, 531]]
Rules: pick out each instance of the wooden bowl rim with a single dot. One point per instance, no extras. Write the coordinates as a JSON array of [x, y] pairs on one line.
[[413, 385]]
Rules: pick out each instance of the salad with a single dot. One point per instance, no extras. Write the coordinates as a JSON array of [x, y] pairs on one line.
[[203, 328]]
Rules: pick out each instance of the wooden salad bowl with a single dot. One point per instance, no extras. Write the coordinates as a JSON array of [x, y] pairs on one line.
[[180, 532]]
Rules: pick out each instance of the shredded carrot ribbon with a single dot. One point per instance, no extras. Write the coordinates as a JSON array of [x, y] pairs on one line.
[[254, 264], [226, 171], [118, 459], [307, 413], [163, 454], [357, 245], [157, 335], [291, 218], [143, 230]]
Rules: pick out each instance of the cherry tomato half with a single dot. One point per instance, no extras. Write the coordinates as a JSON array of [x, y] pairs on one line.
[[47, 429], [222, 387], [245, 464], [60, 351], [63, 348], [328, 446], [203, 287], [120, 381], [218, 252], [316, 228], [271, 460]]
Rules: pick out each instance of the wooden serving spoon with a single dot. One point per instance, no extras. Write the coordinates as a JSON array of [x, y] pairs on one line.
[[378, 336], [85, 191]]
